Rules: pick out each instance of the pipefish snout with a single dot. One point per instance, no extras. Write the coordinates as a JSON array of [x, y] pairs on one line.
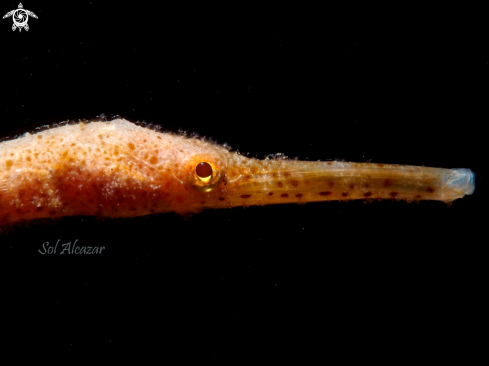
[[120, 169]]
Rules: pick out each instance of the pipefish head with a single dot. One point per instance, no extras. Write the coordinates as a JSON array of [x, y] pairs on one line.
[[187, 175]]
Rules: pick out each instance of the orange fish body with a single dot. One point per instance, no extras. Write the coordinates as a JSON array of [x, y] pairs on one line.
[[119, 169]]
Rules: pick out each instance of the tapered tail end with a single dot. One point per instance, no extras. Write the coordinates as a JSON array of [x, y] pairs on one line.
[[462, 180]]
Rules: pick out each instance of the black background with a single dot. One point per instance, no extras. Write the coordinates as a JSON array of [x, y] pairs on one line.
[[360, 85]]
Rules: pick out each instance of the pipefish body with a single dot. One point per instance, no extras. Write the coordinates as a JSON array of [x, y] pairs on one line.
[[120, 169]]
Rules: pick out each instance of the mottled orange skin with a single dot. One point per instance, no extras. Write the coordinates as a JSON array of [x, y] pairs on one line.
[[119, 169]]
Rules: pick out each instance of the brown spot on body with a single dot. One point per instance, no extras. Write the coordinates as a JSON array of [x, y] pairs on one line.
[[153, 160], [286, 174], [326, 193], [221, 199], [352, 186], [131, 146], [394, 194], [367, 194], [299, 195], [344, 194], [380, 165], [245, 195], [284, 195], [367, 185], [430, 189], [280, 184], [270, 193], [294, 182], [387, 182], [331, 184], [9, 164], [418, 197]]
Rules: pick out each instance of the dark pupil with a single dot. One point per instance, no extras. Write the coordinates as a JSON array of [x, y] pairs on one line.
[[204, 170]]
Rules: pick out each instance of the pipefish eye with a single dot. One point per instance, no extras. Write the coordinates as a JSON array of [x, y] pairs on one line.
[[204, 170], [207, 175]]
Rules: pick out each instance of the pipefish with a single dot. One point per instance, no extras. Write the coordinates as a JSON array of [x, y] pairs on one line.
[[120, 169]]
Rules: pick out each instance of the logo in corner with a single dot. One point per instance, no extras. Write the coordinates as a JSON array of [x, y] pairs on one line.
[[20, 17]]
